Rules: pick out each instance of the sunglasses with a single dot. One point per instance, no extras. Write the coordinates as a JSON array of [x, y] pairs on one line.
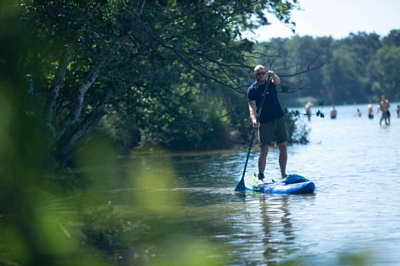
[[261, 73]]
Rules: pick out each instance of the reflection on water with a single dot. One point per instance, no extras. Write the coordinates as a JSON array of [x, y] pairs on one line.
[[355, 165]]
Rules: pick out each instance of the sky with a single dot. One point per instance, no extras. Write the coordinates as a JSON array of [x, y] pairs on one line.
[[336, 18]]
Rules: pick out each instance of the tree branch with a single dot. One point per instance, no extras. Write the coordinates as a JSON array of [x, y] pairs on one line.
[[56, 84], [164, 102], [88, 124]]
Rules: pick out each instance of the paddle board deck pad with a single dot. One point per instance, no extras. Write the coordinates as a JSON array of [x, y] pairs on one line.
[[294, 184]]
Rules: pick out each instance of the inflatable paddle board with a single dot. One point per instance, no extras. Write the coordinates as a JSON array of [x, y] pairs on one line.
[[292, 184]]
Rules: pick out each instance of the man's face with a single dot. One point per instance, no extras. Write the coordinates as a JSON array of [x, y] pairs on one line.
[[260, 75]]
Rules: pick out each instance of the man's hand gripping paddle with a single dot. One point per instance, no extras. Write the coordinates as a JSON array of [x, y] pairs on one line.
[[240, 186]]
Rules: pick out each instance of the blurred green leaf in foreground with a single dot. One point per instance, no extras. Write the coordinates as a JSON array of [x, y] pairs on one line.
[[42, 223]]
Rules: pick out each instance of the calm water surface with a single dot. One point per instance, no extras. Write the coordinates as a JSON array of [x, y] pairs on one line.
[[355, 164]]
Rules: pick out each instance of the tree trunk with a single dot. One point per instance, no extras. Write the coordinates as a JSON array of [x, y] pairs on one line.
[[87, 125], [55, 86], [77, 102]]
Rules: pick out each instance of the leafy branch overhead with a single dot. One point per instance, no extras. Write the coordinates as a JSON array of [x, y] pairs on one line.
[[90, 58]]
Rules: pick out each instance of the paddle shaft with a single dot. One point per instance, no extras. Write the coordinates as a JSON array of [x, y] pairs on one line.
[[248, 153], [254, 132]]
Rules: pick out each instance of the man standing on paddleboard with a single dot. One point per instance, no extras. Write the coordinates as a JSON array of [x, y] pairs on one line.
[[271, 122]]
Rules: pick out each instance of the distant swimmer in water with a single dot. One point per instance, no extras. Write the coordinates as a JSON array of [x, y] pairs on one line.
[[370, 111], [398, 111], [358, 113], [383, 112], [333, 112], [308, 109]]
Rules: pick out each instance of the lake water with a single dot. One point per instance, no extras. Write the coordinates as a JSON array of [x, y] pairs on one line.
[[355, 164]]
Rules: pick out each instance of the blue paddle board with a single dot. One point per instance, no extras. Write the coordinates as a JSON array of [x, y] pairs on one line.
[[301, 185]]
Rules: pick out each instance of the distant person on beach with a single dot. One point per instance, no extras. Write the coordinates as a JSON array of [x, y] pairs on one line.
[[370, 111], [358, 113], [398, 111], [383, 111], [333, 112], [271, 122], [308, 109]]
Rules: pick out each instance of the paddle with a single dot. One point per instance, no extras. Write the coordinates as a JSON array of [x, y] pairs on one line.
[[240, 186]]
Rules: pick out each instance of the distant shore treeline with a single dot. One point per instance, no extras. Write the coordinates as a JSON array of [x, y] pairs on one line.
[[358, 68]]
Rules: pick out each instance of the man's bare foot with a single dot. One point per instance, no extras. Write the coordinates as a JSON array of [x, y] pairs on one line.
[[260, 179], [284, 176]]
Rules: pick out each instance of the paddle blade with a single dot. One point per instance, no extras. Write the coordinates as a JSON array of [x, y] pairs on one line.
[[240, 186]]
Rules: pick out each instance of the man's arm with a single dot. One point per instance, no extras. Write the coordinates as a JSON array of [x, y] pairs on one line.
[[253, 113], [275, 79]]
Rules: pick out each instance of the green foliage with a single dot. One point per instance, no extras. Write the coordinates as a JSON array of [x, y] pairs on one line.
[[298, 133], [104, 229], [383, 71], [319, 112], [154, 59], [358, 68], [121, 131]]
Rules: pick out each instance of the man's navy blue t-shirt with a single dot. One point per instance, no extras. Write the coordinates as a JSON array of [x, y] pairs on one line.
[[271, 109]]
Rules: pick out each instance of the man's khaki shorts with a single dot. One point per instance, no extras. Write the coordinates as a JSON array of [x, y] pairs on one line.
[[275, 128]]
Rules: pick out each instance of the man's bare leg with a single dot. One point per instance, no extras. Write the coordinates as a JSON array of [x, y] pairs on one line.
[[262, 160], [283, 157]]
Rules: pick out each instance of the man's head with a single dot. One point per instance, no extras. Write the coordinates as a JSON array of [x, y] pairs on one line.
[[383, 97], [259, 73]]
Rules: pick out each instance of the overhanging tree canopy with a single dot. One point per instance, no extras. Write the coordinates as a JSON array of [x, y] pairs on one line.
[[86, 57]]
